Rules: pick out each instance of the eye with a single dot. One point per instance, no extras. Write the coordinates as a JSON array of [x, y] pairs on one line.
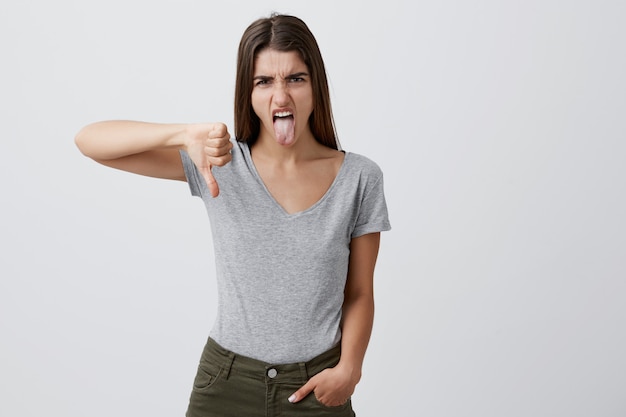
[[262, 82], [296, 80]]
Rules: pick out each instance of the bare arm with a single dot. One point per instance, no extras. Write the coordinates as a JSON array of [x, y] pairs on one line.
[[152, 149], [334, 386], [358, 305]]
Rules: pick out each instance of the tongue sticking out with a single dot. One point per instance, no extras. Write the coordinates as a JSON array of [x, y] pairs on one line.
[[284, 130]]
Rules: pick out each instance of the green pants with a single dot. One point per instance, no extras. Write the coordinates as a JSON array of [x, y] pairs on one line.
[[230, 385]]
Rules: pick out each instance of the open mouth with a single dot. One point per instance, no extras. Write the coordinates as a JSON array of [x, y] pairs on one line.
[[282, 115]]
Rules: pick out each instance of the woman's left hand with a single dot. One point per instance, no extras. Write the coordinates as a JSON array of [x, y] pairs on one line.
[[332, 387]]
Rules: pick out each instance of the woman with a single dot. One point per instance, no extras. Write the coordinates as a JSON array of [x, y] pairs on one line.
[[296, 227]]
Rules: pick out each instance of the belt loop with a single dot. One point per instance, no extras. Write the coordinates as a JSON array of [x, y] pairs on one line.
[[303, 372], [229, 363]]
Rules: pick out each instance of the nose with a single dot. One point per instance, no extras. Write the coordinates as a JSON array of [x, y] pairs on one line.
[[281, 93]]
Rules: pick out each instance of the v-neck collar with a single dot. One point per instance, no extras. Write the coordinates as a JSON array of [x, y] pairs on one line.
[[248, 156]]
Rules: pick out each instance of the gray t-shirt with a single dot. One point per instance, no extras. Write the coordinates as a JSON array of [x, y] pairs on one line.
[[281, 276]]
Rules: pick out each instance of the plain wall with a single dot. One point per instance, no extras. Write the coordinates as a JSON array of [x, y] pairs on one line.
[[500, 127]]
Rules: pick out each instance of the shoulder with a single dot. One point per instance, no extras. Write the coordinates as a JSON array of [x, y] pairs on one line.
[[363, 165], [239, 147]]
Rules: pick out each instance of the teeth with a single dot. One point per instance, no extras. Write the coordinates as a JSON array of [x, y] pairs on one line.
[[283, 114]]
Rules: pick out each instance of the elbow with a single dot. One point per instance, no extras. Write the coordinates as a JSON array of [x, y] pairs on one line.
[[85, 143], [360, 298], [80, 140]]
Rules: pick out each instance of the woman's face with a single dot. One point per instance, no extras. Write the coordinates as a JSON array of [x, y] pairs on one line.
[[282, 96]]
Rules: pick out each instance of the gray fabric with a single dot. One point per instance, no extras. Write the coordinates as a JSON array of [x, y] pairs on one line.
[[281, 276]]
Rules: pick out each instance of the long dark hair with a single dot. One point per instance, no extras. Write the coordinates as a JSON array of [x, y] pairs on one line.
[[282, 33]]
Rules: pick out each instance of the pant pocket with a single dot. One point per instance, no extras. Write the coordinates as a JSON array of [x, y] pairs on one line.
[[310, 406], [206, 377]]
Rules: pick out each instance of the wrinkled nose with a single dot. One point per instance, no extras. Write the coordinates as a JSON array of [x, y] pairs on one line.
[[281, 94]]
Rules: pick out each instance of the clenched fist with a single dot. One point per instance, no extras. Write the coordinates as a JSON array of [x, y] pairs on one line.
[[208, 145]]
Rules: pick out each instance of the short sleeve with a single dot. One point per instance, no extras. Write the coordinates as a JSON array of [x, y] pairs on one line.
[[194, 179], [373, 215]]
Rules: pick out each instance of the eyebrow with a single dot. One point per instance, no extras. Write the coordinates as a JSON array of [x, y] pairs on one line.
[[295, 75]]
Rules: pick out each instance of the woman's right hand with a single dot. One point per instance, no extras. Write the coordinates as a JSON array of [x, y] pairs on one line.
[[208, 145], [152, 149]]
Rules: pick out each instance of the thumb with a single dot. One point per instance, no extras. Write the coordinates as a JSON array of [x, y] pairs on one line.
[[210, 181], [305, 390]]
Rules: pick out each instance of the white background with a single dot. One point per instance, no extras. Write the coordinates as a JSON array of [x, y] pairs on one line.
[[500, 127]]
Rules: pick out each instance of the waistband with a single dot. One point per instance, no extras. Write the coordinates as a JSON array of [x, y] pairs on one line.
[[291, 372]]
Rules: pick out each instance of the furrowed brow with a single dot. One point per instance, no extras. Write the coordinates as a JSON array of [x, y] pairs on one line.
[[298, 75], [269, 78]]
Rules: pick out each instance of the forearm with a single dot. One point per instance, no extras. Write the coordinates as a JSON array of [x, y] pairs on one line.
[[116, 139], [358, 304], [357, 323]]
